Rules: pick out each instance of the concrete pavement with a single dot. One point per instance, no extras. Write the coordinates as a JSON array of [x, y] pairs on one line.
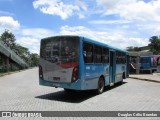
[[21, 92], [155, 77]]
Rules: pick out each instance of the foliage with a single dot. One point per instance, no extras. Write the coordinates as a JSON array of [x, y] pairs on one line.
[[154, 44], [21, 51], [131, 48], [9, 40], [34, 59]]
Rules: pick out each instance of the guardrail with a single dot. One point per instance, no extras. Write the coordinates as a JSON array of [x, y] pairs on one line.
[[12, 55]]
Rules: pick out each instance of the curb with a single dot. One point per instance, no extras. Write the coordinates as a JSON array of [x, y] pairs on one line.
[[144, 79]]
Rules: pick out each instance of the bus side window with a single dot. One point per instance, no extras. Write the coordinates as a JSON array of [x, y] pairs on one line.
[[97, 54], [121, 56], [88, 52], [105, 55], [124, 58], [118, 59]]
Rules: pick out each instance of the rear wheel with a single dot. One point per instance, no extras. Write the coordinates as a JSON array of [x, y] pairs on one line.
[[123, 76], [101, 85]]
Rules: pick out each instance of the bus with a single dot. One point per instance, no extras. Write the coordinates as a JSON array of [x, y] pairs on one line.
[[158, 64], [79, 63], [149, 61]]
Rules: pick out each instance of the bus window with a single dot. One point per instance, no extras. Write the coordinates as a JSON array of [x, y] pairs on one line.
[[120, 58], [60, 50], [117, 57], [105, 55], [144, 60], [158, 61], [88, 53], [97, 54], [123, 58]]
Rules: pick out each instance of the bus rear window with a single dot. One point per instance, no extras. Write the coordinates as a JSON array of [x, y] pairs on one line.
[[60, 49]]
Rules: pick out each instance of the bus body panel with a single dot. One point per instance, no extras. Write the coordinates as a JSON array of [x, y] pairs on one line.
[[120, 69], [92, 74], [53, 71], [146, 62]]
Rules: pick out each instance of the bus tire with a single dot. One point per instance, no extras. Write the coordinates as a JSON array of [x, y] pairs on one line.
[[101, 85], [123, 76]]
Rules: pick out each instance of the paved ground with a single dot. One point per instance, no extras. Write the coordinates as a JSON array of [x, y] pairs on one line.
[[21, 92]]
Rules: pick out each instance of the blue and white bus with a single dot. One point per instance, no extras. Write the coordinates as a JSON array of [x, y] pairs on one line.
[[79, 63], [158, 64], [149, 61]]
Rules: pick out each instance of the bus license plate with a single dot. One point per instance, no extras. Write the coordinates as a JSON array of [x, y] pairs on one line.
[[56, 78]]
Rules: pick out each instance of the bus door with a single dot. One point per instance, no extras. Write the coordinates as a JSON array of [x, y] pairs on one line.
[[127, 67], [112, 68]]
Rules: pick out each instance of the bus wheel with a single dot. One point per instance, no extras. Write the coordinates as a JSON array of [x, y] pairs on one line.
[[100, 85]]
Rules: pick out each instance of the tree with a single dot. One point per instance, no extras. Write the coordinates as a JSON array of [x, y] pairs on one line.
[[131, 48], [154, 44], [21, 51], [8, 38], [34, 59]]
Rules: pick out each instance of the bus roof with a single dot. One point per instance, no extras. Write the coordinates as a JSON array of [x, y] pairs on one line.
[[88, 40]]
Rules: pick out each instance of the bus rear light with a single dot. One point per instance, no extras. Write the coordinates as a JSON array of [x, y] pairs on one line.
[[40, 72], [75, 74]]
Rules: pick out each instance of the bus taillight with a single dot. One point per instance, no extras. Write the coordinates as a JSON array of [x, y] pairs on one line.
[[40, 72], [75, 74]]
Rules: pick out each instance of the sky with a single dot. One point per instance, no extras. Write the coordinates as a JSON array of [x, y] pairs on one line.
[[119, 23]]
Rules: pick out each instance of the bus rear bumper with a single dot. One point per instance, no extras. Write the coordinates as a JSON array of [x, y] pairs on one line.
[[74, 85]]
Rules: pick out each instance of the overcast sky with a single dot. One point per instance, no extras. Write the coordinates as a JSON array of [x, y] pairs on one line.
[[119, 23]]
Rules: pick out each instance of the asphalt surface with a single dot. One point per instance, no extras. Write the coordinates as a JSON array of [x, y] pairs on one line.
[[21, 92]]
